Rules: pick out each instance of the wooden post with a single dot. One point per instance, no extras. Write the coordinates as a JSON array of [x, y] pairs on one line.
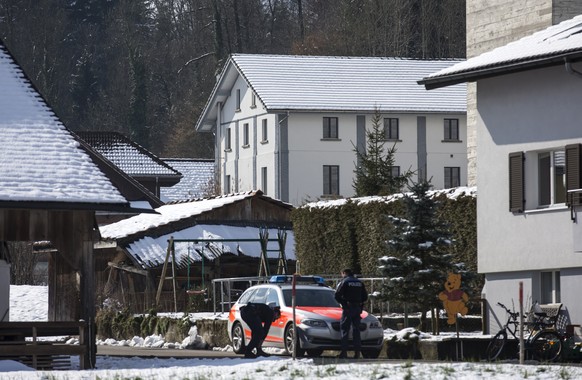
[[164, 269]]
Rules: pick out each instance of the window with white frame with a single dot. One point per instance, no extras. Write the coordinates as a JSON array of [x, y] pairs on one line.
[[245, 134], [551, 178], [265, 135], [227, 184], [452, 177], [330, 128], [451, 130], [552, 173], [253, 100], [391, 128], [330, 179], [550, 287], [264, 179], [227, 144], [238, 99]]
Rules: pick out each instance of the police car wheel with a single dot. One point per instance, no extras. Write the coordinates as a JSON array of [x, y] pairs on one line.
[[290, 342], [238, 339]]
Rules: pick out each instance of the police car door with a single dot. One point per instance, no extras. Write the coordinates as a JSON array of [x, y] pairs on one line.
[[276, 332]]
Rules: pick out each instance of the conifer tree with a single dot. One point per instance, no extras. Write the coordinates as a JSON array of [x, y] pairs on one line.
[[375, 174], [416, 270]]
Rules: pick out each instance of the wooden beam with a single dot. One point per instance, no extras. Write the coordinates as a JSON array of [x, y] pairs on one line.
[[128, 268]]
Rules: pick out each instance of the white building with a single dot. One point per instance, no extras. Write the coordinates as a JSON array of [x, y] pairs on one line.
[[288, 125], [529, 142]]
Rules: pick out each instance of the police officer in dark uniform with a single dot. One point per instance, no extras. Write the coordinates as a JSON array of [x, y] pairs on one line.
[[351, 294], [258, 317]]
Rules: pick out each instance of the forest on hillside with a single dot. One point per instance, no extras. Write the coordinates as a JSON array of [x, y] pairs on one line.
[[145, 68]]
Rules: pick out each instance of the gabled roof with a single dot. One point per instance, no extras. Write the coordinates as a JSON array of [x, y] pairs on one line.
[[197, 176], [552, 46], [335, 84], [127, 155], [40, 160]]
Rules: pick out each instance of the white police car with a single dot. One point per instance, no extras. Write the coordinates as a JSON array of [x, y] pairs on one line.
[[318, 317]]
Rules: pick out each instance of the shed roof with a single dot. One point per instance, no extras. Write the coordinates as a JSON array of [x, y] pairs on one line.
[[197, 175], [335, 84], [40, 159], [552, 46]]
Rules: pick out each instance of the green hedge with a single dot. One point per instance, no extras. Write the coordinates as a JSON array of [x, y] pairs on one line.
[[330, 238]]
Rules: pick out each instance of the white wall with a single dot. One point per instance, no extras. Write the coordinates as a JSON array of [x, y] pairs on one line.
[[523, 112]]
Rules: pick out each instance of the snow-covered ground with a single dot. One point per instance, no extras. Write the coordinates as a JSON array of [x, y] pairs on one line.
[[28, 303]]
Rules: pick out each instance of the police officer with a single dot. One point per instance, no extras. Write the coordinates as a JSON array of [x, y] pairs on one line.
[[351, 294], [258, 316]]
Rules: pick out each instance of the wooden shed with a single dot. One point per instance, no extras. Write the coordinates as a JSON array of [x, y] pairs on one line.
[[50, 189], [244, 234]]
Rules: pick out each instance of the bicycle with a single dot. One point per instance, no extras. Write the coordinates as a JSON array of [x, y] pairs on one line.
[[542, 341]]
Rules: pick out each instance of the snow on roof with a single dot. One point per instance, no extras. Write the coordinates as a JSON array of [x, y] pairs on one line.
[[168, 213], [151, 252], [340, 84], [197, 174], [40, 160], [557, 40], [453, 193], [356, 83], [127, 155]]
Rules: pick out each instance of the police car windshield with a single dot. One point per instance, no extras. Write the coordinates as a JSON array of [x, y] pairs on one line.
[[313, 297]]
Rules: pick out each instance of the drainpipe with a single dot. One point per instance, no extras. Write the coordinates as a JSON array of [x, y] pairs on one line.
[[570, 69]]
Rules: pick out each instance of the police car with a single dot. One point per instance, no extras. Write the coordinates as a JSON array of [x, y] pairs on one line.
[[317, 315]]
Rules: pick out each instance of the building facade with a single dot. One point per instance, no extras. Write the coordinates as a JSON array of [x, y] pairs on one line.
[[289, 125]]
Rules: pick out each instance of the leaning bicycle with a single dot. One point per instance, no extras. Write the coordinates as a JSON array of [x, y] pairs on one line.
[[542, 342]]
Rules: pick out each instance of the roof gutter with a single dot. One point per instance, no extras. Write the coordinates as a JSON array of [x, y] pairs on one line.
[[570, 69], [474, 75]]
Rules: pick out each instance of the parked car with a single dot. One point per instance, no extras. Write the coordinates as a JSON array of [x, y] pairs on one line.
[[318, 317]]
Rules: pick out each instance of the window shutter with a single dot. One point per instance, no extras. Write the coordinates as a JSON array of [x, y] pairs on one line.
[[573, 180], [516, 182]]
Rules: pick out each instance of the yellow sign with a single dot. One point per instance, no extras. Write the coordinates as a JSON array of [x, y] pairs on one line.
[[454, 298]]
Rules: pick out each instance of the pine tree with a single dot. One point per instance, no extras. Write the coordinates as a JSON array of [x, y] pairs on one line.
[[416, 271], [374, 168]]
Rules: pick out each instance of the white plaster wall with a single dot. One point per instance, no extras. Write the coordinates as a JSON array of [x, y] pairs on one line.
[[445, 154], [527, 111]]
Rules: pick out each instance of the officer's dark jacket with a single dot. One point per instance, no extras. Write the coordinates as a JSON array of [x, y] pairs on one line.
[[351, 291], [264, 311]]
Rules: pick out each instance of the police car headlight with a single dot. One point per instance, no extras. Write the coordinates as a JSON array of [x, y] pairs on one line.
[[375, 325], [314, 323]]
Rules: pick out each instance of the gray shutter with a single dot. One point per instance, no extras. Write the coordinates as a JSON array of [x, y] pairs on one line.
[[516, 182], [573, 180]]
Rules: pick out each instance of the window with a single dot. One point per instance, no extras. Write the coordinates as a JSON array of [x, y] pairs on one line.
[[330, 179], [451, 130], [391, 128], [227, 184], [265, 136], [253, 101], [264, 179], [551, 178], [553, 172], [227, 142], [452, 177], [238, 100], [395, 171], [550, 287], [246, 134], [330, 130]]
